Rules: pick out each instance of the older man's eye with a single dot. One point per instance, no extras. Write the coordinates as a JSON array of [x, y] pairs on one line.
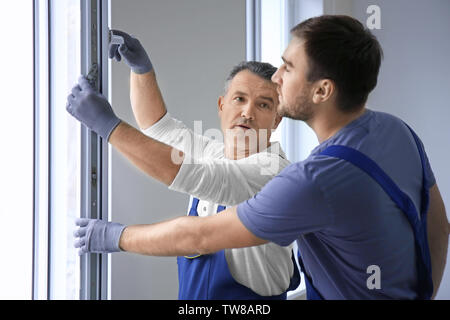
[[238, 99], [264, 106]]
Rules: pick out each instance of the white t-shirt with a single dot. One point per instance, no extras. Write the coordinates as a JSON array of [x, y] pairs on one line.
[[215, 180]]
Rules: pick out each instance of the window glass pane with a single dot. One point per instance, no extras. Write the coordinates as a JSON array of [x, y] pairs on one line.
[[271, 40], [65, 150], [272, 32], [16, 161]]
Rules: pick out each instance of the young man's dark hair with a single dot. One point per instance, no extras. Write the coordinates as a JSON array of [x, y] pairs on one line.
[[341, 49]]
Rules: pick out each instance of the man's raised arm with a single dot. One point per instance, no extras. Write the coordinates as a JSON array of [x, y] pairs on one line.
[[146, 99]]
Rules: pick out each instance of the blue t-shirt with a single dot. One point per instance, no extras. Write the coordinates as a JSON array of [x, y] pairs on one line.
[[342, 219]]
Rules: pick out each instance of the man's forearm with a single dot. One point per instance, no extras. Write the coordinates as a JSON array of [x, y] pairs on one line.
[[146, 99], [149, 155], [174, 237], [189, 235]]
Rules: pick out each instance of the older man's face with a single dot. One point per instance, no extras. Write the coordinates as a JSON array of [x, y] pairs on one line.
[[249, 108]]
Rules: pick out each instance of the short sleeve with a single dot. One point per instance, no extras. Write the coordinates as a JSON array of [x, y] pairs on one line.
[[224, 181], [289, 205]]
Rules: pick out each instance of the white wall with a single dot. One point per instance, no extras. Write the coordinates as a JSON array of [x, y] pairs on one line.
[[192, 45], [414, 77]]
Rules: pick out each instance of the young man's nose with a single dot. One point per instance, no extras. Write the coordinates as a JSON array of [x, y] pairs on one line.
[[276, 77]]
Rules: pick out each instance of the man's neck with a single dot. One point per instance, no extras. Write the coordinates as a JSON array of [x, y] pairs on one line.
[[328, 123]]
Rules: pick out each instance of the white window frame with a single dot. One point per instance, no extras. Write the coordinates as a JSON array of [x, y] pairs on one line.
[[41, 151], [94, 152]]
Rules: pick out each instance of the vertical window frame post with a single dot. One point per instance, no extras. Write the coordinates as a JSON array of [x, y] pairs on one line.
[[253, 32], [94, 164]]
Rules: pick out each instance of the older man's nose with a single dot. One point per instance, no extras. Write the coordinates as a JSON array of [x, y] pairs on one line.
[[248, 111]]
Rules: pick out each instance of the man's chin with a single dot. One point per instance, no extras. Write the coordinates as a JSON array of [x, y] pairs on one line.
[[294, 113], [283, 111]]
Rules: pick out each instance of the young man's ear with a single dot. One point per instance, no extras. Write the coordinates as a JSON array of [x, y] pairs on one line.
[[323, 90]]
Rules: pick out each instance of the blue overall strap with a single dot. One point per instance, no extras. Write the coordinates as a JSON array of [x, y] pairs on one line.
[[425, 191], [418, 222], [193, 209], [428, 282]]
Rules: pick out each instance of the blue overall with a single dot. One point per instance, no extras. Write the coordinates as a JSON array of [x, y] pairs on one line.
[[207, 277], [418, 223]]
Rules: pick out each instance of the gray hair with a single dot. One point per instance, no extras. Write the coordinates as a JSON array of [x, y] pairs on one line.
[[262, 69]]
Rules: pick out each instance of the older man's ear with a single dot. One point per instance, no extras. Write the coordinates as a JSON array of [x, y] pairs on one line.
[[220, 102], [278, 119]]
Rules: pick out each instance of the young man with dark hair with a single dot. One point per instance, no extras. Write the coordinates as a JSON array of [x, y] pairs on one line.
[[340, 49], [364, 201]]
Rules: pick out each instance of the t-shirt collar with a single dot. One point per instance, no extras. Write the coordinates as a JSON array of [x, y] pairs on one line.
[[352, 125]]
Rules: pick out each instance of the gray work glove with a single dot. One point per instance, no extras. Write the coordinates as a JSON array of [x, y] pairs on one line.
[[132, 52], [92, 109], [97, 236]]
